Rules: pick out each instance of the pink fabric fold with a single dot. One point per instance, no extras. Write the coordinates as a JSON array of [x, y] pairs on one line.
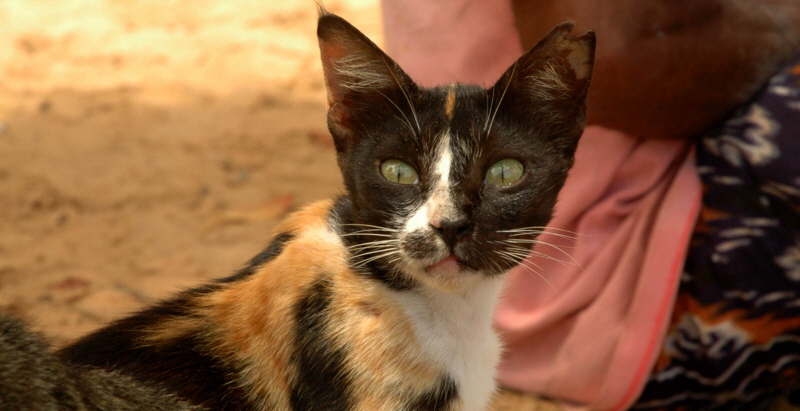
[[585, 321], [442, 42]]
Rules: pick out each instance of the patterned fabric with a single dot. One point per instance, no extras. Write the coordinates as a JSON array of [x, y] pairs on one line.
[[734, 342]]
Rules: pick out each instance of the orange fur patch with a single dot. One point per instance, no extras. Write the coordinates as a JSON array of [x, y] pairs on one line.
[[380, 340], [172, 329], [255, 317], [251, 323], [450, 102]]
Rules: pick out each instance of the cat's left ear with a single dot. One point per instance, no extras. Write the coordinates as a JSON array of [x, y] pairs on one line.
[[358, 75], [551, 81]]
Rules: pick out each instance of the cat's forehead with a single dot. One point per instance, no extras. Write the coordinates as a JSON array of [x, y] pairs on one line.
[[461, 96], [455, 109], [417, 122], [450, 101], [468, 113]]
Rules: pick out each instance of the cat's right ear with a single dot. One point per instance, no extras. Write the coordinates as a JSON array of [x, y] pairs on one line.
[[358, 75], [549, 83]]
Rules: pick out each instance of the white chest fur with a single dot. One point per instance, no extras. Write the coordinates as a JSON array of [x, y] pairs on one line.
[[455, 331]]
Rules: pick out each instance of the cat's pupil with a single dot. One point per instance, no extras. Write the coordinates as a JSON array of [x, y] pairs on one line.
[[505, 172], [399, 172]]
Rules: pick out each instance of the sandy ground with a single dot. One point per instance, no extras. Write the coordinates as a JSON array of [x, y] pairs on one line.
[[147, 146], [150, 145]]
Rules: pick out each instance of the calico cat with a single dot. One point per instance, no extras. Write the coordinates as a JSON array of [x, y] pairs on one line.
[[381, 299]]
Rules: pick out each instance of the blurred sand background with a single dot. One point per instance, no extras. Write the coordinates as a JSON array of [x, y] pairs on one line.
[[146, 146]]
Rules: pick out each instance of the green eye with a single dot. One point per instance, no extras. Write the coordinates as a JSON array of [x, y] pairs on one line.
[[399, 172], [504, 173]]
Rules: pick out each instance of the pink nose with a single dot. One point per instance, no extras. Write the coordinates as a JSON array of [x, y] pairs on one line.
[[451, 231]]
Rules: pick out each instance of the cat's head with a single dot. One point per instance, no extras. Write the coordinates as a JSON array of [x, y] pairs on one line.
[[452, 183]]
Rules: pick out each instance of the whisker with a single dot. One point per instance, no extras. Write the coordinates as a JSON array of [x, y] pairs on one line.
[[538, 228], [360, 252], [377, 257], [374, 244], [559, 235], [374, 254], [494, 265], [359, 233], [405, 94], [371, 250], [536, 233], [523, 264], [562, 252], [378, 241], [370, 226], [489, 106], [512, 256], [527, 265], [502, 96], [407, 121], [545, 256], [534, 242], [376, 247]]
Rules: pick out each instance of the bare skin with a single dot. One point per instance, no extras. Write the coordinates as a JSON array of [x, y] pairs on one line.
[[672, 68]]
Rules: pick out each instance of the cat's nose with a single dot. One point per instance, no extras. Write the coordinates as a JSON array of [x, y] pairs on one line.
[[452, 231]]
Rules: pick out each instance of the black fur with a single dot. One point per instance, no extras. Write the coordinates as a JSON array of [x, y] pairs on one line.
[[269, 253], [377, 270], [437, 399], [33, 379], [183, 366], [323, 383]]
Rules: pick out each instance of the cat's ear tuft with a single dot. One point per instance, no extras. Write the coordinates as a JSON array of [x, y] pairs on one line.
[[548, 86], [356, 71], [321, 10], [351, 62], [559, 67]]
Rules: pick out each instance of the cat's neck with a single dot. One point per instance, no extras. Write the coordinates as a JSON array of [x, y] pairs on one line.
[[455, 330], [471, 308]]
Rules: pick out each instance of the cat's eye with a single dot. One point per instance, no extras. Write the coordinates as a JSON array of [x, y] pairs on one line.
[[399, 172], [504, 172]]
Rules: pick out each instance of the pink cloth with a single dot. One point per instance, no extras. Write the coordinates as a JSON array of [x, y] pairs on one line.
[[441, 42], [586, 329], [591, 333]]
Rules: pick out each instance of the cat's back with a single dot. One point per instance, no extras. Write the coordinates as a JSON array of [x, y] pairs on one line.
[[231, 344], [298, 328], [32, 378]]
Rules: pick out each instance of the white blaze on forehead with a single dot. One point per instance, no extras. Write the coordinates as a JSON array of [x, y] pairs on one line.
[[443, 164], [439, 205]]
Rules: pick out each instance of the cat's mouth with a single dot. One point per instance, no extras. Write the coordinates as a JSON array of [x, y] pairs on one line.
[[448, 265]]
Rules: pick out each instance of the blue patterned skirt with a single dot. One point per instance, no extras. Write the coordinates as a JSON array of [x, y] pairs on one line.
[[734, 342]]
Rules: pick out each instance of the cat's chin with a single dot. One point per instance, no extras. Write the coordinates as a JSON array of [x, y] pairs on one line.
[[447, 274]]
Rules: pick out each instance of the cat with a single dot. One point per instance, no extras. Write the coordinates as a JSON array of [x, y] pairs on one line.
[[382, 298]]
